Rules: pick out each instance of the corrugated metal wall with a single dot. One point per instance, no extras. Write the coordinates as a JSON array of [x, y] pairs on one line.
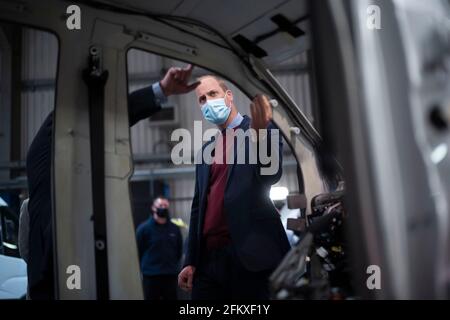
[[39, 63], [39, 67], [296, 81]]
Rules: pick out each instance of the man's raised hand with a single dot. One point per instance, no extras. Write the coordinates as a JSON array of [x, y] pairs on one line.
[[176, 81]]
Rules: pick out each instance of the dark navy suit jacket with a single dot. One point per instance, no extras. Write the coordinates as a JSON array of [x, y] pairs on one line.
[[142, 104], [257, 233]]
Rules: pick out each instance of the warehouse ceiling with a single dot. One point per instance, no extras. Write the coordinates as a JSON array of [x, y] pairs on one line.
[[270, 29]]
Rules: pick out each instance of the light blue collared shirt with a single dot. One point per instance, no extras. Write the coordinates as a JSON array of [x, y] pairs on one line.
[[160, 97], [236, 121]]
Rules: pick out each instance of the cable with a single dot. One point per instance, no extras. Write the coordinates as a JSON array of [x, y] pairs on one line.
[[163, 19]]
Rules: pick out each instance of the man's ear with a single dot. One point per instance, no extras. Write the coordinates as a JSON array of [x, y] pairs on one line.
[[229, 95]]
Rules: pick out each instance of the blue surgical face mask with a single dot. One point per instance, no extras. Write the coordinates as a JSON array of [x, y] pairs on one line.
[[216, 111]]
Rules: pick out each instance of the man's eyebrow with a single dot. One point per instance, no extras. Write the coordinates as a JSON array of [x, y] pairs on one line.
[[212, 91]]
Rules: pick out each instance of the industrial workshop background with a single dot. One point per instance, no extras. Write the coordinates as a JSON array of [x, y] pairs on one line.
[[28, 96]]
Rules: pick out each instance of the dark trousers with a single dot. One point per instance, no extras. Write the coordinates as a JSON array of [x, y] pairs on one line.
[[161, 287], [220, 275]]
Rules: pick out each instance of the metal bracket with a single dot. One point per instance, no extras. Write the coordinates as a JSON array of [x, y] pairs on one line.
[[171, 45]]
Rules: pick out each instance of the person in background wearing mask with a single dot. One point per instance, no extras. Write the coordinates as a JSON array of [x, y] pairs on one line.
[[160, 247], [236, 238]]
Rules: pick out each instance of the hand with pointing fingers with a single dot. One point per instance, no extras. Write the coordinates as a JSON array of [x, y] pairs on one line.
[[176, 81]]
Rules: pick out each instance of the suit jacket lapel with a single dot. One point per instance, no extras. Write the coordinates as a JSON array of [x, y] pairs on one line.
[[204, 173], [203, 186]]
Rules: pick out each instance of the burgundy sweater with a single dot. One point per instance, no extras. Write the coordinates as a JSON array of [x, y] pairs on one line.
[[215, 227]]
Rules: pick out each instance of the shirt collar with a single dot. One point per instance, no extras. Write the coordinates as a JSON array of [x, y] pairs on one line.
[[236, 121]]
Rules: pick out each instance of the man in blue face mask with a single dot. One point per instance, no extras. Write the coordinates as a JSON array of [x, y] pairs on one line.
[[216, 102], [236, 237]]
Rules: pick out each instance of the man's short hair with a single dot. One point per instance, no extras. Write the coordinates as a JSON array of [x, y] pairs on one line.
[[159, 197], [219, 80]]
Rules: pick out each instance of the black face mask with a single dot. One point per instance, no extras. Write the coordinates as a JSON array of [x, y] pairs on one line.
[[162, 212]]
